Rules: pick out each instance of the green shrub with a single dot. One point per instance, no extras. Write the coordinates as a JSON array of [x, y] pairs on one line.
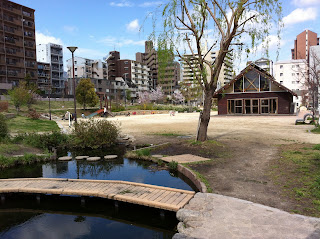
[[173, 165], [43, 141], [316, 147], [95, 134], [143, 152], [3, 127]]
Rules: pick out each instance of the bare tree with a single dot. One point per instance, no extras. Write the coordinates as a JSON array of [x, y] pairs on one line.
[[188, 22], [313, 81]]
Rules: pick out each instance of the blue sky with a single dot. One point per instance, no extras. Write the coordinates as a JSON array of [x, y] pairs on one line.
[[100, 26]]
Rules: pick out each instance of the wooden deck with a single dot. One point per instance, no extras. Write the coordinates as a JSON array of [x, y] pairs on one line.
[[143, 194]]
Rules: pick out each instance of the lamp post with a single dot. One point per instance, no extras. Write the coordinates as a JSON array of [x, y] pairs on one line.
[[124, 88], [72, 49]]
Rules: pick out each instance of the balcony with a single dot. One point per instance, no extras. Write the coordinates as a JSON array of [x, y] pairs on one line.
[[28, 24], [27, 14]]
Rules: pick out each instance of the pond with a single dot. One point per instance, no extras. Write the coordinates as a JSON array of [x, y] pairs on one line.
[[65, 217]]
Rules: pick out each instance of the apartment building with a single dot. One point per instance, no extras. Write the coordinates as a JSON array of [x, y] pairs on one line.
[[17, 45], [167, 76], [44, 74], [302, 45], [87, 68], [226, 71], [53, 54], [292, 74], [136, 75], [264, 63]]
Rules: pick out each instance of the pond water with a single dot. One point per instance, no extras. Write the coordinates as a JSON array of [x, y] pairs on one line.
[[64, 217]]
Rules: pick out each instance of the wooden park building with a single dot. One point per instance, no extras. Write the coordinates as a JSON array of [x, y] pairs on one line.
[[254, 91]]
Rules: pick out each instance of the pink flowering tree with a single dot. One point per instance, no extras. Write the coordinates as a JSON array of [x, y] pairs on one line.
[[157, 94], [177, 97]]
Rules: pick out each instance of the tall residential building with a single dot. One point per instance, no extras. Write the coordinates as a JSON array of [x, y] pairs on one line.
[[17, 45], [302, 45], [225, 75], [136, 74], [167, 77], [44, 74], [53, 54], [264, 64], [292, 74], [87, 68]]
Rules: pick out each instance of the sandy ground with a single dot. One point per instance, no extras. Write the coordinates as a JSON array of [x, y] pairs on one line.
[[266, 129]]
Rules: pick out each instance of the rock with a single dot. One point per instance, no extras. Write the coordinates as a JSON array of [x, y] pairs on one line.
[[112, 156], [17, 156], [65, 158], [82, 157], [92, 159]]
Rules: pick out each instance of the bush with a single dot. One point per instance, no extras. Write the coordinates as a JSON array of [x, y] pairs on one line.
[[173, 165], [95, 134], [33, 114], [43, 141], [3, 127], [143, 152], [4, 106]]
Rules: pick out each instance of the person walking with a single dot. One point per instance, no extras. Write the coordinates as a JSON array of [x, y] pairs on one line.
[[104, 111]]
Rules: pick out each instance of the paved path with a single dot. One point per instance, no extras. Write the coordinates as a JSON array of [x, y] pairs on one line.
[[184, 158], [143, 194], [215, 216]]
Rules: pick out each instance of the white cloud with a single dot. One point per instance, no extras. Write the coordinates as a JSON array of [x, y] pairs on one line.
[[133, 26], [70, 29], [300, 15], [303, 3], [112, 42], [151, 4], [42, 38], [121, 3]]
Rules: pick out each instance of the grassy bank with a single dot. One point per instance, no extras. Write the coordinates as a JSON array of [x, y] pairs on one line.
[[22, 124], [27, 158], [297, 173]]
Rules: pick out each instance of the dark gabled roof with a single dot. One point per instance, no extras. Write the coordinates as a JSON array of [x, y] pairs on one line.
[[261, 71]]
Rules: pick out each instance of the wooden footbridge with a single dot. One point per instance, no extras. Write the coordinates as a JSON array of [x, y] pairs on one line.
[[143, 194]]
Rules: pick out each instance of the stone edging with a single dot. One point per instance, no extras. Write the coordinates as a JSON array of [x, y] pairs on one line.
[[190, 175]]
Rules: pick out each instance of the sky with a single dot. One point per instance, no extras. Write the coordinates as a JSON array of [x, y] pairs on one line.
[[99, 26]]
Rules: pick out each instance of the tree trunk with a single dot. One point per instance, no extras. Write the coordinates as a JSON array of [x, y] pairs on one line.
[[205, 117]]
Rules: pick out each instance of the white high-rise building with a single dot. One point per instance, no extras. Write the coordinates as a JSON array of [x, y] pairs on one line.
[[292, 74], [87, 68], [53, 54]]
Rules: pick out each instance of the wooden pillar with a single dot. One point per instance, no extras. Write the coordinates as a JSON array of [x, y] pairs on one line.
[[38, 198], [162, 214], [83, 201], [3, 198]]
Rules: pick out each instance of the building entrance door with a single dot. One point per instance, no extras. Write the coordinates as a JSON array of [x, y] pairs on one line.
[[251, 106]]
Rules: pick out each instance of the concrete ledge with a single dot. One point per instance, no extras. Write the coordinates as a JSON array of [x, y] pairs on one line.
[[190, 175]]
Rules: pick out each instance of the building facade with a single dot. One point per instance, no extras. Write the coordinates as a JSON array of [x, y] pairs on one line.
[[167, 76], [44, 74], [302, 45], [17, 45], [53, 54], [252, 92], [87, 68], [265, 64], [293, 75]]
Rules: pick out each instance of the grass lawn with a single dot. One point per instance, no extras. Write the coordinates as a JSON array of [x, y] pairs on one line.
[[297, 172], [316, 130], [21, 124]]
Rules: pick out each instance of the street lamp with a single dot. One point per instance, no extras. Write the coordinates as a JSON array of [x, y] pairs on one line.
[[72, 49], [124, 88]]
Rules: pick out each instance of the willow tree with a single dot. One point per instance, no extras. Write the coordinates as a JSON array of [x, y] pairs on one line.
[[225, 25]]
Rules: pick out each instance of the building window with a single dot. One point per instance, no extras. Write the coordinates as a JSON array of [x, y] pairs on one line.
[[126, 62], [281, 82], [281, 74], [293, 82], [281, 66]]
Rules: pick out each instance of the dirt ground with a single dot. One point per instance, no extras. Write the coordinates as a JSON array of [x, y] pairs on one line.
[[241, 167]]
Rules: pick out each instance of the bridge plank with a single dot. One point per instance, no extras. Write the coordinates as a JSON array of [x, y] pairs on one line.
[[148, 195]]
